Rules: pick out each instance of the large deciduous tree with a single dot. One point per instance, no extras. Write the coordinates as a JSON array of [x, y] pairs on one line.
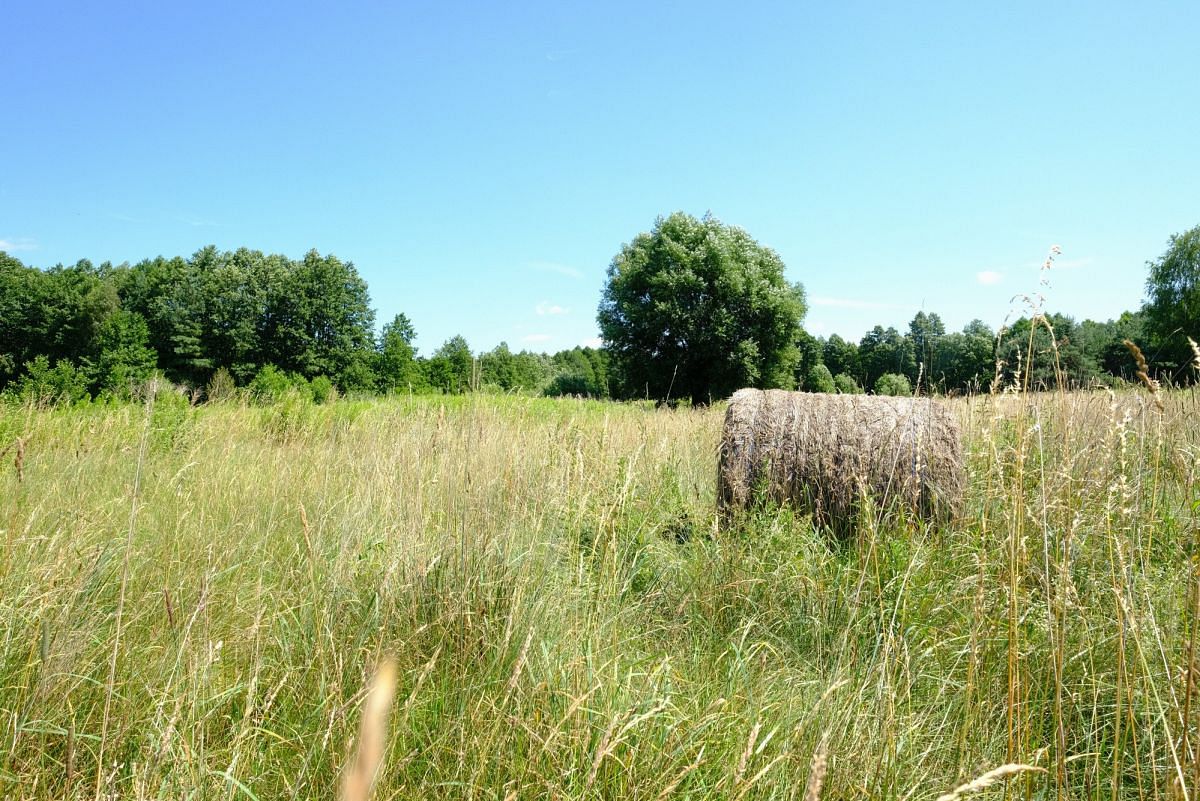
[[697, 309], [1173, 298]]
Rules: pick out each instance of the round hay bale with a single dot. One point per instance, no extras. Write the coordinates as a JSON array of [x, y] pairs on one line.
[[825, 453]]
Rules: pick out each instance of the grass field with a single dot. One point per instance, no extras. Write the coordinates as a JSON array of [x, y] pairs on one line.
[[192, 600]]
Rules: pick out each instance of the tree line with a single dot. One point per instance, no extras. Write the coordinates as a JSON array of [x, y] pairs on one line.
[[697, 309], [693, 309], [928, 358], [225, 319], [1042, 350]]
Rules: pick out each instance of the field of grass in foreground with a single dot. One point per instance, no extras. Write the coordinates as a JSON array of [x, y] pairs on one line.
[[192, 599]]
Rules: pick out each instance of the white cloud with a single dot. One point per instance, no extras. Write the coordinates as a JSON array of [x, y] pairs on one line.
[[19, 243], [552, 267], [594, 342], [544, 308], [989, 277], [817, 327], [850, 303], [536, 338]]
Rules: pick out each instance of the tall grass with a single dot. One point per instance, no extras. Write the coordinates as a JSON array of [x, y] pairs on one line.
[[192, 602]]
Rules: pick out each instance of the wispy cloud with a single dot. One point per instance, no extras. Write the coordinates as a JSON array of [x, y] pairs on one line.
[[594, 342], [989, 277], [536, 338], [18, 243], [196, 221], [553, 267], [850, 303], [543, 309]]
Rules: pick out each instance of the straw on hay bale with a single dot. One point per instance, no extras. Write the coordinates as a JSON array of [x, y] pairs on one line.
[[823, 453]]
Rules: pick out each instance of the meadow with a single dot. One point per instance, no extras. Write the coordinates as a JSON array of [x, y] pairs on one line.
[[192, 600]]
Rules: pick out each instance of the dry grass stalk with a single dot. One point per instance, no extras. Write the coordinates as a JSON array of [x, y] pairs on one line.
[[816, 774], [19, 460], [359, 776], [988, 779], [1143, 372], [823, 452], [746, 753]]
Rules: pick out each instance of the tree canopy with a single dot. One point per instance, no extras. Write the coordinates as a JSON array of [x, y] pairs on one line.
[[694, 309], [1173, 299], [698, 309]]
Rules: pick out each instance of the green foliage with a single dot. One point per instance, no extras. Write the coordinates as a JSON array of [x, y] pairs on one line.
[[893, 384], [819, 379], [498, 368], [291, 414], [451, 369], [43, 385], [846, 385], [396, 367], [322, 390], [809, 354], [221, 387], [925, 332], [172, 297], [698, 309], [885, 351], [124, 359], [694, 309], [1173, 301], [965, 361], [1040, 350], [841, 356], [236, 310], [54, 313], [270, 384], [171, 417], [581, 372], [319, 317]]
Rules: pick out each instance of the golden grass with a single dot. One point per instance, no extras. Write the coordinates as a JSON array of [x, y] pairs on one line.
[[564, 618]]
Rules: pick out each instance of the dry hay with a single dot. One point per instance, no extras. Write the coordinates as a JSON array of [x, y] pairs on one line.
[[825, 453]]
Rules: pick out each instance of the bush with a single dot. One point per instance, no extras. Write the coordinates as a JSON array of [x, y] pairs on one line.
[[893, 384], [269, 385], [221, 387], [819, 379], [322, 389], [44, 385], [846, 384]]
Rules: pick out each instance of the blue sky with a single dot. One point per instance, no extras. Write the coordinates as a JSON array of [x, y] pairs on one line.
[[482, 163]]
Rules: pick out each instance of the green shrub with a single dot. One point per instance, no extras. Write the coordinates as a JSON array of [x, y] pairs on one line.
[[322, 390], [819, 379], [846, 384], [44, 385], [893, 384], [269, 385], [221, 387]]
